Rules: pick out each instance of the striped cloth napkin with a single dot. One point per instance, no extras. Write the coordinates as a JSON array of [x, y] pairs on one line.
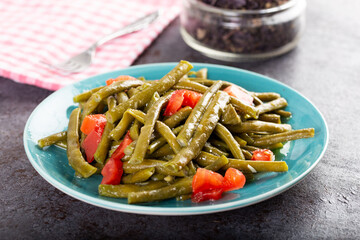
[[52, 31]]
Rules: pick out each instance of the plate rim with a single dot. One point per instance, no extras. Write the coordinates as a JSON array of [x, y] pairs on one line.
[[170, 211]]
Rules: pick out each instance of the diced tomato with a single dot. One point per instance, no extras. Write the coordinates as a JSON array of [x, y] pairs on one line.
[[233, 180], [113, 169], [174, 103], [112, 172], [119, 78], [208, 195], [263, 155], [205, 180], [119, 152], [93, 122], [191, 98], [91, 143], [181, 98], [235, 91]]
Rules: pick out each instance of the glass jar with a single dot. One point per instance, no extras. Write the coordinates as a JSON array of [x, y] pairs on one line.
[[242, 35]]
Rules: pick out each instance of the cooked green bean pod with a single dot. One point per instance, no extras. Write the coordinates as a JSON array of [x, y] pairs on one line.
[[122, 97], [106, 91], [267, 96], [180, 187], [244, 108], [202, 133], [140, 176], [135, 129], [259, 126], [123, 190], [224, 134], [211, 149], [148, 128], [284, 137], [193, 120], [52, 139], [147, 163], [283, 113], [175, 119], [129, 115], [82, 97], [190, 85], [272, 105], [218, 164], [269, 117], [104, 144], [75, 157], [230, 116], [219, 144], [154, 98], [241, 141], [159, 142], [143, 97], [168, 135]]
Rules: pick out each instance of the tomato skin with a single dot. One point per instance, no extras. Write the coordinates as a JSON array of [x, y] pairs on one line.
[[119, 78], [262, 155], [113, 169], [235, 91], [233, 180], [93, 122], [181, 98]]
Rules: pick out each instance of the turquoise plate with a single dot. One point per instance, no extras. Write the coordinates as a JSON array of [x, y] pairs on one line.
[[301, 155]]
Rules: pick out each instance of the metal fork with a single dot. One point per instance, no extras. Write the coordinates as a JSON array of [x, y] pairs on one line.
[[83, 60]]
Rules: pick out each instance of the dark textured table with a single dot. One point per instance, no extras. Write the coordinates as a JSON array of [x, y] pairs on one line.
[[325, 67]]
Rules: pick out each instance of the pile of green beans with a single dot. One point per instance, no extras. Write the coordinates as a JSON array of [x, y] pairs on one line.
[[220, 132]]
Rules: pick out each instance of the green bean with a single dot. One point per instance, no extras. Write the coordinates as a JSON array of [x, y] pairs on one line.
[[82, 97], [284, 137], [219, 144], [175, 119], [75, 157], [272, 105], [211, 149], [230, 116], [148, 163], [259, 126], [106, 91], [183, 197], [52, 139], [130, 148], [169, 179], [195, 116], [192, 168], [148, 128], [125, 122], [157, 177], [181, 187], [104, 144], [132, 91], [202, 133], [161, 86], [207, 82], [268, 117], [121, 97], [267, 96], [247, 154], [250, 148], [247, 138], [62, 144], [163, 151], [170, 137], [190, 85], [241, 141], [205, 159], [111, 102], [140, 176], [154, 98], [244, 108], [202, 73], [218, 163], [159, 142], [224, 134], [123, 190], [134, 130], [283, 113]]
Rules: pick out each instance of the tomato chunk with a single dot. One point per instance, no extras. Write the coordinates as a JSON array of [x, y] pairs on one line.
[[112, 172], [181, 98], [233, 180], [119, 78], [206, 180], [235, 91], [91, 143], [263, 155], [93, 122], [113, 169]]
